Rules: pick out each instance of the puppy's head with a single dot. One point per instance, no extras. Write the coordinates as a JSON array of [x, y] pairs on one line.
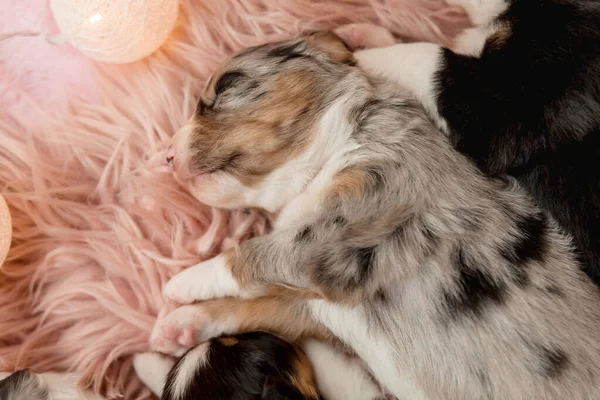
[[249, 366], [259, 113]]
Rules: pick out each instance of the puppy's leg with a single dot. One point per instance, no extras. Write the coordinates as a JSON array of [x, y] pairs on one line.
[[339, 377], [152, 369], [313, 259], [184, 327], [206, 280]]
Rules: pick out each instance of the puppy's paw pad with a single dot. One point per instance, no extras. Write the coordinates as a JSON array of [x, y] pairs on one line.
[[187, 337], [171, 340], [169, 332], [365, 36], [176, 332]]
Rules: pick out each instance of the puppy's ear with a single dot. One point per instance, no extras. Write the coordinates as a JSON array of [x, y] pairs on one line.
[[332, 45], [277, 388]]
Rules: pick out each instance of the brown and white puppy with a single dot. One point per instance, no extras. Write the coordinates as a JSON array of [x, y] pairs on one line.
[[448, 284]]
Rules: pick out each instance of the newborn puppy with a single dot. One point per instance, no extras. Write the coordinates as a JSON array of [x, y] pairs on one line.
[[448, 284], [255, 365]]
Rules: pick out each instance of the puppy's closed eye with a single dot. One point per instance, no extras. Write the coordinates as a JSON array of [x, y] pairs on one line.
[[227, 80], [227, 162]]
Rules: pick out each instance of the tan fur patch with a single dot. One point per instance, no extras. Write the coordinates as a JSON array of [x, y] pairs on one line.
[[331, 44], [293, 293], [283, 317], [348, 184], [499, 38], [228, 341], [255, 140], [304, 376]]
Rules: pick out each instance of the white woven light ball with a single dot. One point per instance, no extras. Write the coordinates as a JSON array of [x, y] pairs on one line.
[[116, 31], [5, 230]]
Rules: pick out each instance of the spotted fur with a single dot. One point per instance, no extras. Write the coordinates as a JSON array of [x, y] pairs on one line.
[[448, 284], [518, 94]]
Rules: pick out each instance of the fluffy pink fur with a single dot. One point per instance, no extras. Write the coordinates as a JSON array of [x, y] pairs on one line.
[[99, 224]]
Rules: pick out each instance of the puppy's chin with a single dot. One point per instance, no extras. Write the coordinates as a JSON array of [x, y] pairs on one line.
[[222, 190], [219, 190]]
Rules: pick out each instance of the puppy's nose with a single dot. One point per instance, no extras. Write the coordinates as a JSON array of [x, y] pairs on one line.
[[178, 155], [170, 155]]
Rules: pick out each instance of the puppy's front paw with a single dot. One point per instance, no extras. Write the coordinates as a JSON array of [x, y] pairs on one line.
[[184, 327], [206, 280], [173, 332], [365, 36]]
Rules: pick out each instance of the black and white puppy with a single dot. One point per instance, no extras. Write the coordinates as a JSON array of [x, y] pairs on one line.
[[520, 95]]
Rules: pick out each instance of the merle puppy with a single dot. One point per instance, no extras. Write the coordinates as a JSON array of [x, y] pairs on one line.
[[447, 283]]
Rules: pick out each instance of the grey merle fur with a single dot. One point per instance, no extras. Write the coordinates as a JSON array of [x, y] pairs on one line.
[[475, 291]]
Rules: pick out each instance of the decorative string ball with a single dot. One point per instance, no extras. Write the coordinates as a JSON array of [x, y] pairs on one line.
[[5, 230], [115, 31]]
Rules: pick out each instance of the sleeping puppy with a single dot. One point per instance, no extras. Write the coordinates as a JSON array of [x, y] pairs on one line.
[[253, 365], [446, 283], [256, 365], [519, 95]]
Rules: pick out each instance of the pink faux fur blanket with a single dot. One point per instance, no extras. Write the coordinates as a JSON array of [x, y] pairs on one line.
[[99, 225]]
